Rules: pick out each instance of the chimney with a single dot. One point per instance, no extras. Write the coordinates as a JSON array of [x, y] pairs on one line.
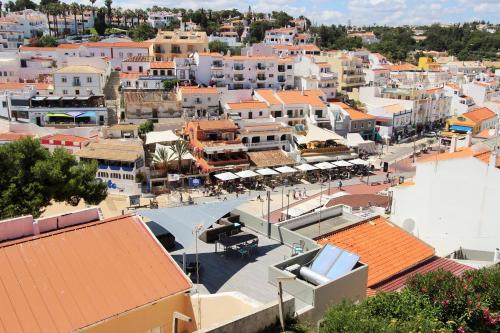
[[468, 139], [453, 144]]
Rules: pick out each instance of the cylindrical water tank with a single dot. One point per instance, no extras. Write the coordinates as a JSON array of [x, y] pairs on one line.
[[313, 277]]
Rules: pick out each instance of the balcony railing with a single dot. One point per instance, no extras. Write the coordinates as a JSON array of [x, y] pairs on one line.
[[266, 144], [325, 150], [228, 161], [239, 78], [238, 67], [261, 77]]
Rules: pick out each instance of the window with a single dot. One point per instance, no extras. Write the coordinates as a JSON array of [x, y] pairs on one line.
[[129, 54], [92, 54], [355, 126], [209, 99], [65, 92], [362, 125], [64, 79], [4, 104], [260, 113], [121, 54], [185, 99], [102, 54], [77, 92], [89, 79], [369, 124], [129, 68], [289, 67]]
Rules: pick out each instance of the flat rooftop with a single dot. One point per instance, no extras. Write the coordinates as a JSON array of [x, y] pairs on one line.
[[326, 226], [248, 276]]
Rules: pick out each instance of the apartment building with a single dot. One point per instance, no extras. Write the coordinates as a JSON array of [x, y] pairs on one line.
[[464, 71], [119, 162], [151, 104], [280, 36], [57, 110], [311, 74], [376, 77], [460, 103], [346, 119], [178, 43], [280, 50], [79, 81], [71, 25], [162, 19], [116, 52], [11, 35], [31, 22], [216, 145], [483, 91], [199, 102], [348, 68], [245, 72]]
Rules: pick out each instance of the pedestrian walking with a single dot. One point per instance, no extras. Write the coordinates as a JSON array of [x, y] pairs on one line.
[[340, 185]]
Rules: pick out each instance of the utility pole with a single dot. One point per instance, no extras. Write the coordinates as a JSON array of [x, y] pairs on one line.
[[268, 214]]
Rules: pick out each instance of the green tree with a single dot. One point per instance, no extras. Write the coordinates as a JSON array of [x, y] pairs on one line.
[[162, 157], [47, 41], [146, 127], [258, 31], [108, 4], [179, 149], [168, 85], [31, 177], [100, 22], [282, 19], [218, 46], [142, 32]]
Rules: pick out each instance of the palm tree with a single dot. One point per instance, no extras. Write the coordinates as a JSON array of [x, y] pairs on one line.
[[54, 9], [162, 157], [75, 9], [138, 14], [179, 149], [108, 4], [93, 8], [129, 14], [46, 11], [82, 11], [65, 10], [118, 14]]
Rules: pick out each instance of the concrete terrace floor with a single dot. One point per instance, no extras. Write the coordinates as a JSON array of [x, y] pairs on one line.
[[249, 276], [316, 229]]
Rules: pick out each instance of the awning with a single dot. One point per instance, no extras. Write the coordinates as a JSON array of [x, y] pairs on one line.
[[65, 115], [285, 169], [83, 98], [226, 176], [306, 167], [325, 166], [68, 98], [246, 174], [38, 98], [315, 133], [74, 113], [342, 163], [460, 128], [174, 219], [90, 114], [53, 98], [267, 172], [358, 161], [161, 136]]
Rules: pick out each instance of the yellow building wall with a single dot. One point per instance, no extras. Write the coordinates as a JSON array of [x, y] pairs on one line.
[[142, 320]]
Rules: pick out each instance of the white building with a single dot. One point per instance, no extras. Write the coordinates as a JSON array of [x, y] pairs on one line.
[[117, 52], [244, 72], [31, 22], [79, 81], [9, 67], [162, 19], [11, 34], [367, 37], [453, 200], [119, 163], [311, 74], [460, 103], [199, 102], [464, 71], [280, 36], [231, 40], [482, 91]]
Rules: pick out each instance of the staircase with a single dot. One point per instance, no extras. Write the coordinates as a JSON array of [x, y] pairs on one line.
[[111, 88]]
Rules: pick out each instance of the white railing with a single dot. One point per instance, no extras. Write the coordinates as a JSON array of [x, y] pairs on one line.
[[266, 143]]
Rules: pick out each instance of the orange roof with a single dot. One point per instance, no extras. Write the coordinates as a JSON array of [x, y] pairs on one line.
[[480, 114], [434, 90], [485, 134], [305, 47], [215, 124], [36, 48], [65, 137], [210, 54], [131, 75], [198, 90], [269, 96], [163, 64], [402, 67], [70, 278], [386, 248], [353, 113], [453, 86], [310, 97], [141, 45], [68, 46], [236, 58], [247, 105], [481, 153], [20, 86], [11, 136]]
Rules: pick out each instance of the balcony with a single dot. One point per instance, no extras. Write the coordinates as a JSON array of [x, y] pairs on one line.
[[281, 79], [217, 77], [261, 77], [264, 144], [281, 68], [325, 150], [76, 84], [238, 67], [261, 67], [239, 78], [326, 76]]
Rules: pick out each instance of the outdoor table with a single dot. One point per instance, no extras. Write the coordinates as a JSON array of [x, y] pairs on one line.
[[229, 241]]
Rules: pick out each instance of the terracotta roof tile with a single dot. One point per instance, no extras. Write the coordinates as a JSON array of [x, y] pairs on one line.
[[386, 248], [310, 97], [11, 136], [353, 113], [269, 96], [430, 265], [65, 137], [163, 64], [480, 114], [247, 105], [67, 279], [198, 90], [215, 124]]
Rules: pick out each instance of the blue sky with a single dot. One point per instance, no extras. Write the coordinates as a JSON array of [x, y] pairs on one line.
[[360, 12]]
